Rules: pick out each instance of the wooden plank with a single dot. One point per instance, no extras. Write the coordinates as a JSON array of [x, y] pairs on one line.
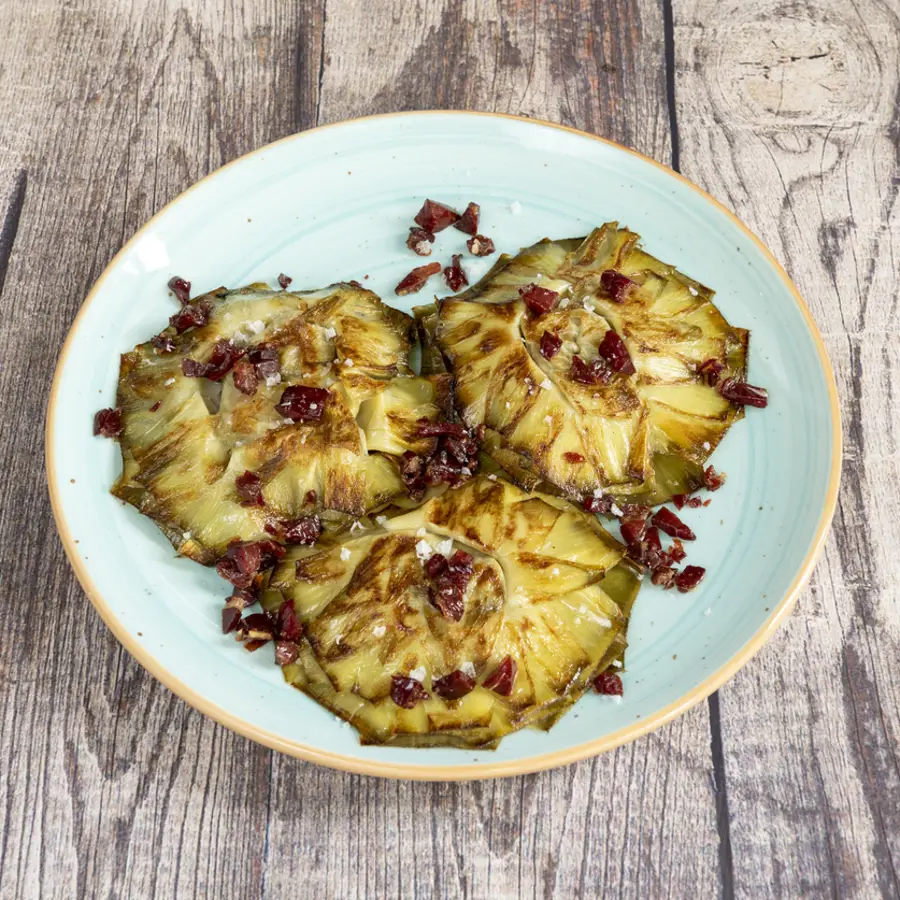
[[639, 822], [789, 114], [111, 786]]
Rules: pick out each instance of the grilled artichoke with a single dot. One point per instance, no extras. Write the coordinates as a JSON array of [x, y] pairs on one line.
[[547, 597], [186, 440], [642, 434]]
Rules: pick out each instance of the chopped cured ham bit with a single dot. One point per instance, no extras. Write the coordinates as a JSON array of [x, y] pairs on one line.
[[435, 217], [416, 279]]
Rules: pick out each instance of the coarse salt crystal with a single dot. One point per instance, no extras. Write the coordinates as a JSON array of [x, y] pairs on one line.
[[287, 421], [169, 381], [508, 404], [467, 668], [706, 445], [423, 550], [379, 630], [554, 570], [515, 208], [492, 477], [466, 470], [615, 510], [548, 420], [444, 547], [546, 384], [330, 333], [256, 326], [345, 554], [239, 337], [564, 303], [187, 535], [348, 362], [272, 380], [693, 290], [602, 620], [421, 532], [381, 520], [598, 492], [582, 609], [418, 674], [303, 439], [313, 405], [617, 663], [356, 526]]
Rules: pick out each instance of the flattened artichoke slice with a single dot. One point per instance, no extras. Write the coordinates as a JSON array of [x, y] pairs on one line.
[[640, 437], [536, 595], [186, 440]]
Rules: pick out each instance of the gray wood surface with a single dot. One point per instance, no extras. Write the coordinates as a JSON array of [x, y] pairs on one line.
[[787, 783]]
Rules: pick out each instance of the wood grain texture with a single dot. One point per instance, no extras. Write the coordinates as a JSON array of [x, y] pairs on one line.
[[786, 111], [789, 113]]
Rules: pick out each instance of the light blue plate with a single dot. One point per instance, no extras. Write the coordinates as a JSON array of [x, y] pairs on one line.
[[335, 204]]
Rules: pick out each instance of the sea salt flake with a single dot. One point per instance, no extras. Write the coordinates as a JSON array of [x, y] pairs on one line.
[[423, 550], [330, 333], [706, 445], [303, 439], [444, 547], [418, 674], [379, 630], [564, 303], [357, 526], [604, 622], [508, 404], [617, 663], [492, 477], [348, 362], [467, 668], [169, 381], [466, 470], [313, 405], [345, 554], [554, 570], [615, 510], [546, 384], [693, 290], [421, 532], [256, 326], [287, 421], [187, 535], [272, 380], [381, 520]]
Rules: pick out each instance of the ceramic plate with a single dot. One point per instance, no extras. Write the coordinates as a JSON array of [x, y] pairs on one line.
[[335, 204]]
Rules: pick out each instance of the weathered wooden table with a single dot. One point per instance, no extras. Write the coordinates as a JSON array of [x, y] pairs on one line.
[[787, 783]]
